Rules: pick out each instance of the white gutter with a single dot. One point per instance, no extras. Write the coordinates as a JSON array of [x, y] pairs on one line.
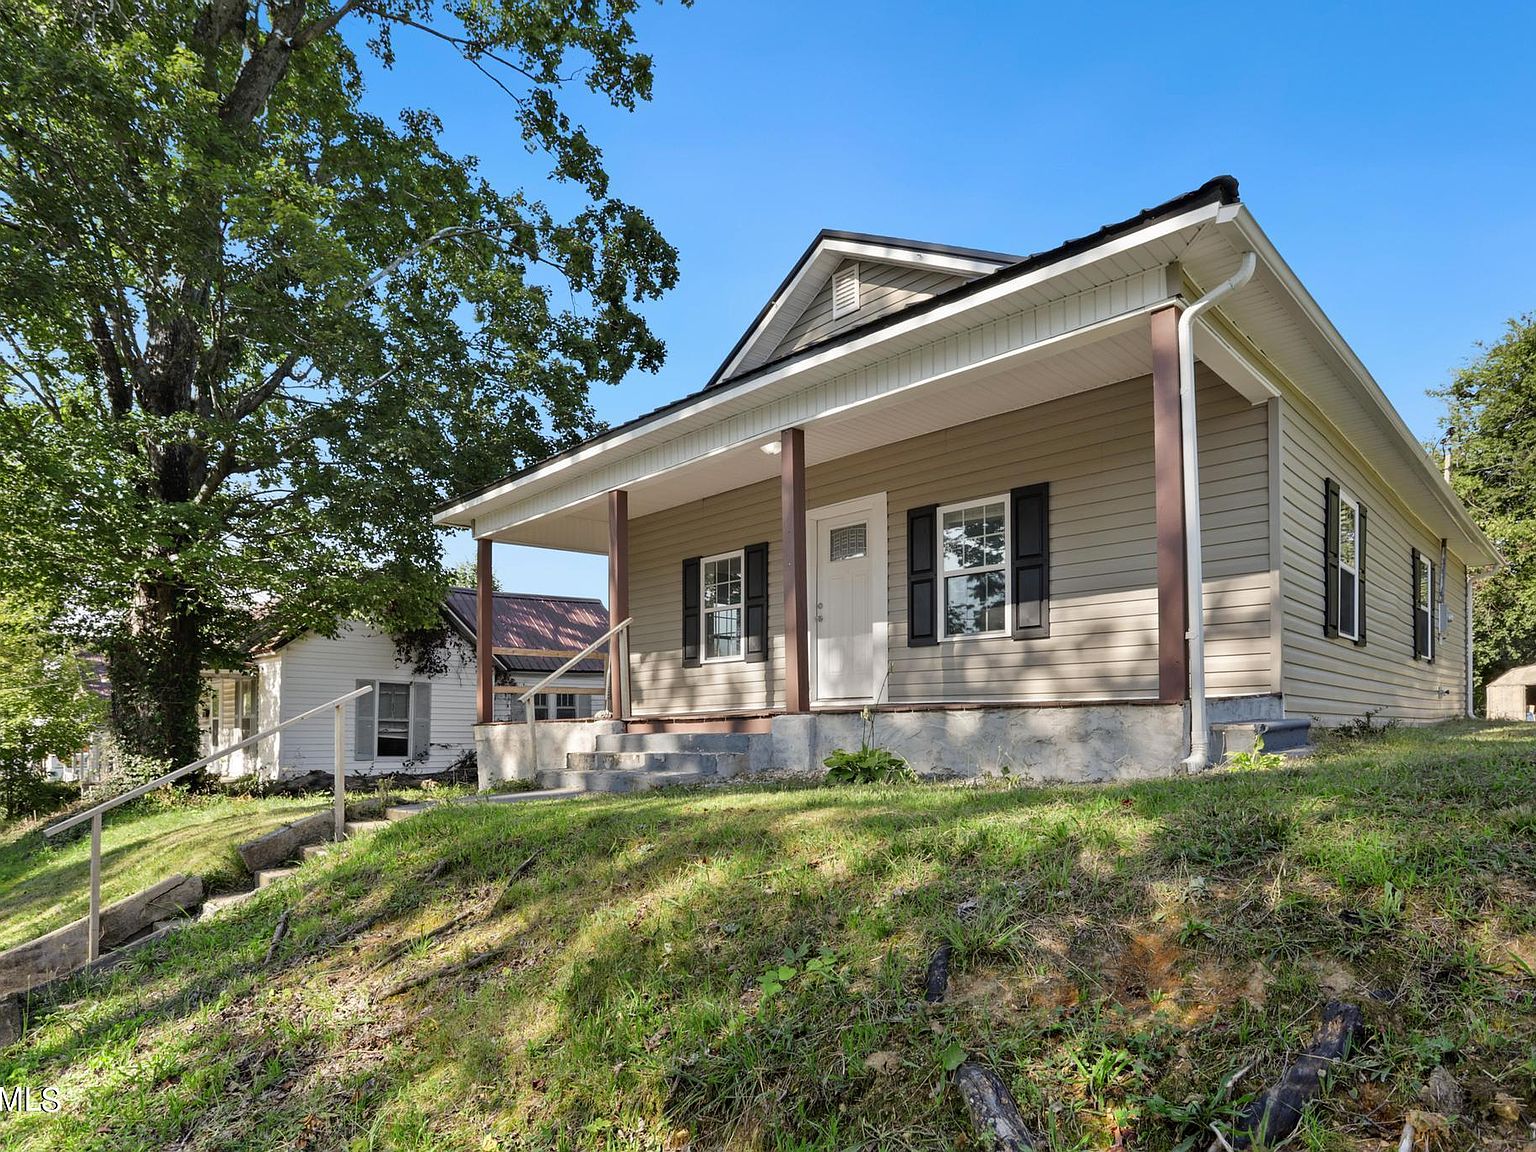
[[1199, 727]]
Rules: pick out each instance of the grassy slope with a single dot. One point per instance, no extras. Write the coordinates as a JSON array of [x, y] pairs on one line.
[[44, 886], [1134, 947]]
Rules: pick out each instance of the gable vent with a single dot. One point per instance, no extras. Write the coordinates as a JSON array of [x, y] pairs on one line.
[[845, 290]]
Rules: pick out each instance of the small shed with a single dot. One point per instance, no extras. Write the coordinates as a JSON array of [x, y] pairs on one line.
[[1511, 695]]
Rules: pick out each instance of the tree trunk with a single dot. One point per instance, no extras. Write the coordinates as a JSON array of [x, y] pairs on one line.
[[157, 677], [156, 666]]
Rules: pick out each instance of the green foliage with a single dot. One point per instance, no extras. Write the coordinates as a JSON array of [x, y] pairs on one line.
[[867, 766], [1363, 729], [1255, 759], [45, 709], [1491, 426], [252, 331]]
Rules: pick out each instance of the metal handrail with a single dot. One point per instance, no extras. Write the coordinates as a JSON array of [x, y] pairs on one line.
[[94, 814], [620, 687]]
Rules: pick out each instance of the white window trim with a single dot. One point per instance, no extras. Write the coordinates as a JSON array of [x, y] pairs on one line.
[[1427, 568], [410, 718], [1346, 499], [858, 290], [945, 573], [740, 555]]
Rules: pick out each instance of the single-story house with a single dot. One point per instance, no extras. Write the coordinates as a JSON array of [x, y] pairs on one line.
[[1512, 695], [418, 719], [1066, 514]]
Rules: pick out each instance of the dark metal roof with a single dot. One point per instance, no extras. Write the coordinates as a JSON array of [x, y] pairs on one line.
[[1219, 190], [522, 620]]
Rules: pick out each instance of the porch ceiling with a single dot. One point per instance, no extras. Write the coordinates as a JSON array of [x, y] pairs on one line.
[[1122, 352]]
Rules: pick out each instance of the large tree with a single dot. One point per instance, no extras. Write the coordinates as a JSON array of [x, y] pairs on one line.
[[252, 332], [1491, 432]]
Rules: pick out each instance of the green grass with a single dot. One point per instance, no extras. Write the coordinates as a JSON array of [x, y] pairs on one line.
[[44, 886], [741, 968]]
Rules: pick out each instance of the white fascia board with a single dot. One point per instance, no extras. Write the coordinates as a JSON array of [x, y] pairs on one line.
[[1248, 234], [831, 252], [664, 427]]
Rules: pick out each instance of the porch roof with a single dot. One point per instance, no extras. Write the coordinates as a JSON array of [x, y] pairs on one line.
[[1060, 322]]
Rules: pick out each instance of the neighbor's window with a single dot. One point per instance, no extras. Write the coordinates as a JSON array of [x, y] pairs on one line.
[[1349, 566], [1423, 609], [554, 706], [973, 540], [245, 707], [394, 720], [721, 600]]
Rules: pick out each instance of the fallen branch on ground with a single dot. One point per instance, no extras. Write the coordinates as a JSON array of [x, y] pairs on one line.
[[458, 969], [277, 934]]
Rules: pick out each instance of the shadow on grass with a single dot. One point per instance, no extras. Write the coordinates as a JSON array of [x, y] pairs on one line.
[[632, 1002]]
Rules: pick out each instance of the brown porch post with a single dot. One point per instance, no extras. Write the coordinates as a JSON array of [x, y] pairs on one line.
[[797, 669], [1167, 452], [485, 658], [618, 591]]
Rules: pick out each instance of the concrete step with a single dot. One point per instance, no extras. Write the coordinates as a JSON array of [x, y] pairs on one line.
[[675, 742], [1286, 736], [721, 764], [216, 904], [398, 812], [621, 780], [314, 852], [269, 876], [359, 827]]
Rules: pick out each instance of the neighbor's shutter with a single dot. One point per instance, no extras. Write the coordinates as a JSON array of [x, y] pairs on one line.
[[362, 722], [691, 612], [1031, 511], [1331, 560], [922, 576], [1360, 554], [421, 718], [1420, 610], [754, 644]]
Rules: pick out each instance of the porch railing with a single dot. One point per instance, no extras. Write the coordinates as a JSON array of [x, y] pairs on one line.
[[619, 683], [94, 814]]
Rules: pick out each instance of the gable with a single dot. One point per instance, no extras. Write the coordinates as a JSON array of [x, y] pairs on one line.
[[894, 274], [882, 289]]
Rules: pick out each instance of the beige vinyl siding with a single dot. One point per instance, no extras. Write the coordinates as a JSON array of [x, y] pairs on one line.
[[1095, 450], [883, 288], [658, 545], [1333, 679]]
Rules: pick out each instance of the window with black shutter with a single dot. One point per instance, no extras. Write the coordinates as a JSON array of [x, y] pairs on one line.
[[1344, 565], [1423, 610]]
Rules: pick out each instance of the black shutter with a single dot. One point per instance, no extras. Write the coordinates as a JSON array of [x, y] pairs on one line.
[[922, 576], [1331, 559], [754, 642], [691, 620], [1360, 580], [1031, 511], [1420, 618]]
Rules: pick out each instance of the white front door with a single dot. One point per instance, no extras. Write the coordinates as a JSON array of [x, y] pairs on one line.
[[846, 609]]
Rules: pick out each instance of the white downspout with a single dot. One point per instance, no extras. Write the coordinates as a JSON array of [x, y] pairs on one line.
[[1471, 706], [1199, 727]]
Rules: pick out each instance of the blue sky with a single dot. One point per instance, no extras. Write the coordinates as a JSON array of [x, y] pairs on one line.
[[1386, 149]]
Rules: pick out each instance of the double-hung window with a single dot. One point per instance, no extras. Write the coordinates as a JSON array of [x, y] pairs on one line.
[[393, 730], [721, 597], [973, 546], [554, 706], [1423, 606], [1349, 566]]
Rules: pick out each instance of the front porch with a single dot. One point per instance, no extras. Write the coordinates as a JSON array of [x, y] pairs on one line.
[[781, 587]]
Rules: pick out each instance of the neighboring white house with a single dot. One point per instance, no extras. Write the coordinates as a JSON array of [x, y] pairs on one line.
[[412, 722]]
